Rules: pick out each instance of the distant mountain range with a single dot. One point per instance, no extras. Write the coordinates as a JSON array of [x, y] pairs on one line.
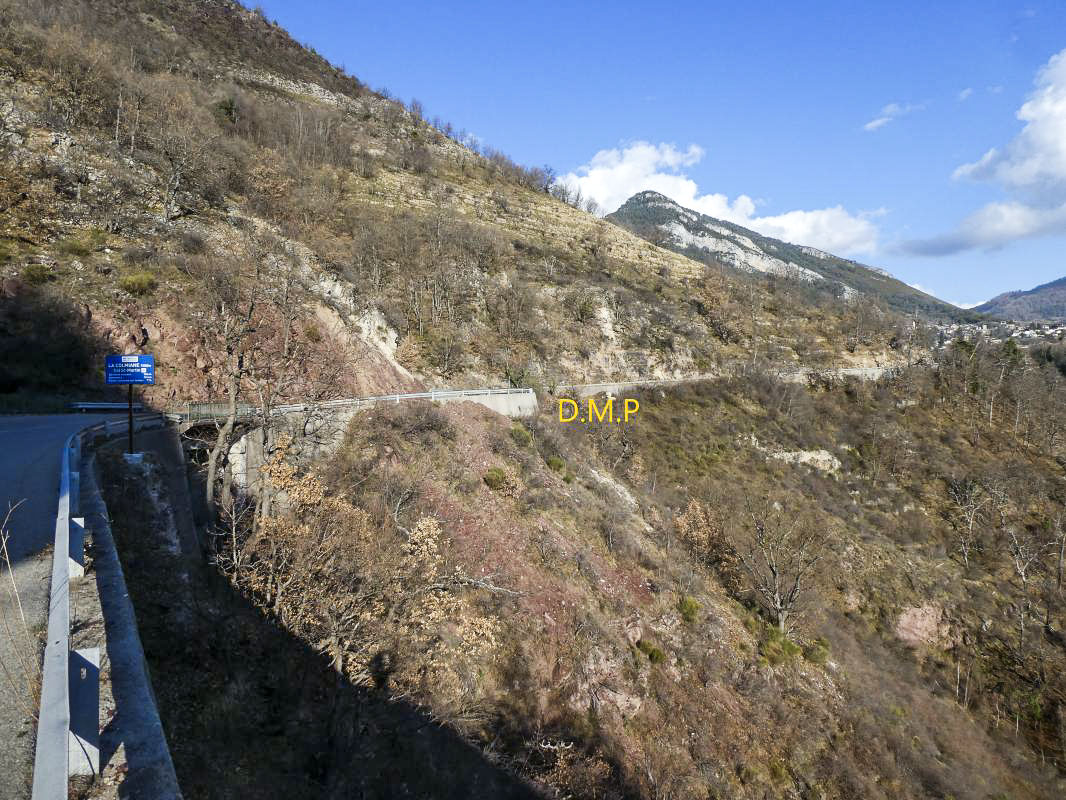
[[1044, 303], [660, 220]]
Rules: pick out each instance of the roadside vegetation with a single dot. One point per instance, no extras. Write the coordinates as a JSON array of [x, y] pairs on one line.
[[697, 610]]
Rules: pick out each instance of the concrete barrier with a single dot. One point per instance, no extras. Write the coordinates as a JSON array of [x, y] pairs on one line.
[[58, 733]]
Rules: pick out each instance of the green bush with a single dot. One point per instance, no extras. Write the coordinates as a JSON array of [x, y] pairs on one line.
[[777, 649], [569, 477], [817, 652], [495, 478], [521, 436], [83, 243], [778, 771], [655, 654], [689, 609], [555, 463], [36, 274], [139, 283]]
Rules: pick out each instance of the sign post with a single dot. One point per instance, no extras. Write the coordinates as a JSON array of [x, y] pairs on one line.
[[129, 370]]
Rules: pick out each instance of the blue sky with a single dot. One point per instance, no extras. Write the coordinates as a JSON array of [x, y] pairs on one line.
[[856, 127]]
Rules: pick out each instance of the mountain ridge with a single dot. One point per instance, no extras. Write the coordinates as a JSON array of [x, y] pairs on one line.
[[717, 242], [1045, 302]]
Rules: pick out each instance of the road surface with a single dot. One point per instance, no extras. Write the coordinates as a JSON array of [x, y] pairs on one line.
[[30, 447]]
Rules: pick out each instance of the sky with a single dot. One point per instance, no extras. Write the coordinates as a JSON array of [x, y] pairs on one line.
[[928, 139]]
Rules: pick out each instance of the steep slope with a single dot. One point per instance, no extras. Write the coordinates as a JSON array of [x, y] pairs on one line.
[[155, 155], [1044, 303], [659, 219]]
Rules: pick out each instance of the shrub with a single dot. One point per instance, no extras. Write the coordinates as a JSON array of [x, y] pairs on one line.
[[82, 244], [778, 771], [36, 274], [777, 648], [655, 654], [73, 246], [138, 254], [521, 436], [495, 478], [817, 652], [555, 463], [192, 243], [689, 609], [569, 477], [138, 283]]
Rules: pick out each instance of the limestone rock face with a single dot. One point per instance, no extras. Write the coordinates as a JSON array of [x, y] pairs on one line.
[[602, 687], [920, 626]]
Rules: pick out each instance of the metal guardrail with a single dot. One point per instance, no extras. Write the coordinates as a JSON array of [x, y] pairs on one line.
[[137, 407], [58, 745], [203, 412]]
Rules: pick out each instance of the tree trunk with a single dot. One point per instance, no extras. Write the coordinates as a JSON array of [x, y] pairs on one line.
[[221, 442]]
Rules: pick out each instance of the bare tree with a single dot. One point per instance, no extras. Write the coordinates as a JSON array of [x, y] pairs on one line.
[[230, 324], [1026, 552], [1060, 539], [754, 306], [780, 554], [969, 501]]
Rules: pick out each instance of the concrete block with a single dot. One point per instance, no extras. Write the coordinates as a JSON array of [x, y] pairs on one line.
[[77, 547], [83, 756]]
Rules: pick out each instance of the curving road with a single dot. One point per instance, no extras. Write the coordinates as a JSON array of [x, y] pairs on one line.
[[30, 448]]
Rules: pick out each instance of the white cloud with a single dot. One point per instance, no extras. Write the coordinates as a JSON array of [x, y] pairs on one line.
[[1031, 167], [965, 93], [1036, 158], [992, 226], [888, 113], [876, 123], [615, 175]]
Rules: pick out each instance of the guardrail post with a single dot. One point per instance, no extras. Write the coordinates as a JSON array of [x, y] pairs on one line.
[[76, 560], [83, 743]]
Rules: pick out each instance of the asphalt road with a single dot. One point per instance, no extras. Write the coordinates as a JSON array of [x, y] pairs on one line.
[[30, 448]]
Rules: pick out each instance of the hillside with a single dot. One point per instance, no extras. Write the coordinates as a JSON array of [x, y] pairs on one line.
[[659, 219], [1044, 303], [156, 166], [753, 589]]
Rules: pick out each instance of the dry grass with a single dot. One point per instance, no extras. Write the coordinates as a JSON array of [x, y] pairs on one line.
[[21, 672]]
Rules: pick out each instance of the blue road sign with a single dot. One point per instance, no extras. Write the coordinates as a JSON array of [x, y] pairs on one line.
[[129, 369]]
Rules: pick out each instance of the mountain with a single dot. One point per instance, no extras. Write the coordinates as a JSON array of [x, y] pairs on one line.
[[659, 219], [195, 137], [1044, 303]]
